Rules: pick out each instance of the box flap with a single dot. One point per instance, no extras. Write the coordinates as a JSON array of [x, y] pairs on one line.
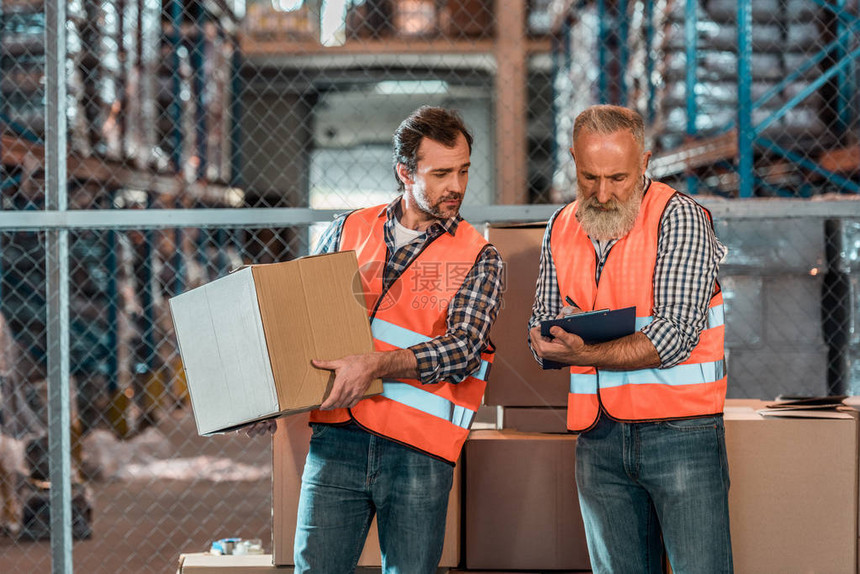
[[220, 335], [317, 292]]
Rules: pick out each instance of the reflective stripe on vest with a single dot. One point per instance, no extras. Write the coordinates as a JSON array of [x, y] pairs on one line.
[[690, 374], [402, 338], [430, 403], [716, 318]]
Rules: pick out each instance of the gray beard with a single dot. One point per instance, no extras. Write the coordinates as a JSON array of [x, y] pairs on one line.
[[613, 224]]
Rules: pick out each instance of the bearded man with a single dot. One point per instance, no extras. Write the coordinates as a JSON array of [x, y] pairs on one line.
[[651, 467]]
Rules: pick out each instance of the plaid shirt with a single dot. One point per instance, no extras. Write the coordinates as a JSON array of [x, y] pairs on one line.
[[457, 354], [688, 257]]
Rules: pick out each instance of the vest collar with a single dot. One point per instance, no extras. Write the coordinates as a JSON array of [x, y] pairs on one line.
[[394, 210]]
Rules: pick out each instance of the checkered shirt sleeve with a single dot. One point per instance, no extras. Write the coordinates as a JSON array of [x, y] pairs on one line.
[[330, 238], [457, 354], [548, 302], [685, 276]]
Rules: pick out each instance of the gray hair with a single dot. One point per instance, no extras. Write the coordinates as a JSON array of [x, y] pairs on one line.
[[606, 119]]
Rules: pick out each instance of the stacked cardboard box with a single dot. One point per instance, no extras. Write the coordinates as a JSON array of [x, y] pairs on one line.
[[202, 563], [533, 399], [290, 448], [522, 511], [793, 500], [793, 496]]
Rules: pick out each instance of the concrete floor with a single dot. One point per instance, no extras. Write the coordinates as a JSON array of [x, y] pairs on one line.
[[142, 525]]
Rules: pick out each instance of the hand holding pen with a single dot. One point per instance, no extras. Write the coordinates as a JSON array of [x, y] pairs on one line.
[[570, 309]]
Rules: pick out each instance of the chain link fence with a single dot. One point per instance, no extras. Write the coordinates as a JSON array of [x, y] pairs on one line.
[[180, 104]]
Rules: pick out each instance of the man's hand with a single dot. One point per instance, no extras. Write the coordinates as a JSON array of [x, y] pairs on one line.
[[562, 347], [567, 311], [260, 428], [625, 354], [352, 375]]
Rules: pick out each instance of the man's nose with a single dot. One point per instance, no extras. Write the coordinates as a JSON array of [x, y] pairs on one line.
[[458, 184], [601, 191]]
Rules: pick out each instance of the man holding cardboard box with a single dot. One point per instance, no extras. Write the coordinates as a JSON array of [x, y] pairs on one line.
[[651, 457], [432, 287]]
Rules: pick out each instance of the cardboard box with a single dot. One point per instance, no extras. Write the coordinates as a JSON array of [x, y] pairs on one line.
[[521, 507], [289, 451], [527, 419], [516, 380], [793, 496], [202, 563], [247, 339], [793, 500]]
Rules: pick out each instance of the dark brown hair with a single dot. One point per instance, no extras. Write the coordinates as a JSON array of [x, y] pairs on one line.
[[438, 124]]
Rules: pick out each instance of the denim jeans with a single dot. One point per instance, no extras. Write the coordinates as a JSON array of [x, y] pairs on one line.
[[349, 476], [637, 481]]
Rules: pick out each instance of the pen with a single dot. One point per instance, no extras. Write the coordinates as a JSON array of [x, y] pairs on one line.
[[570, 301]]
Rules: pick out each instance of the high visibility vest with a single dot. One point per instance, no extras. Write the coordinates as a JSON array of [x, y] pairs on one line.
[[433, 418], [695, 387]]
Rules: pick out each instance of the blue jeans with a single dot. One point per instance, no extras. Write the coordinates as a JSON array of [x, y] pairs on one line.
[[349, 476], [637, 481]]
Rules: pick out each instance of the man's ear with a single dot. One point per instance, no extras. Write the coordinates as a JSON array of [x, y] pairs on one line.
[[646, 157], [403, 174]]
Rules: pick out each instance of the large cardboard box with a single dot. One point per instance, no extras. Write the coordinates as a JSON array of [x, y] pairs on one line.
[[521, 506], [793, 496], [290, 448], [247, 339], [516, 380], [533, 419]]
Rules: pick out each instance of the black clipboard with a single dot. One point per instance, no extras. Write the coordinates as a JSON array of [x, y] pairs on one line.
[[593, 326]]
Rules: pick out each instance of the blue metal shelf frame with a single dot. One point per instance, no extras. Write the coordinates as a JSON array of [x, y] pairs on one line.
[[198, 52], [602, 52], [744, 118], [148, 364], [690, 77], [750, 135], [843, 50], [175, 108], [112, 268], [648, 17], [623, 28], [613, 50]]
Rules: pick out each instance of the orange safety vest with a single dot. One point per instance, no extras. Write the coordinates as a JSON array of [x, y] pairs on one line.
[[433, 418], [695, 387]]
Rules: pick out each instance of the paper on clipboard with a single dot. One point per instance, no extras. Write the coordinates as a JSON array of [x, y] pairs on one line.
[[593, 327]]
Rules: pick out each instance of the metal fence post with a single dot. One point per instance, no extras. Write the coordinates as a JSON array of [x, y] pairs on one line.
[[57, 290]]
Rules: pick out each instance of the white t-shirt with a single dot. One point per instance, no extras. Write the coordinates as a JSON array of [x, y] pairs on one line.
[[404, 235]]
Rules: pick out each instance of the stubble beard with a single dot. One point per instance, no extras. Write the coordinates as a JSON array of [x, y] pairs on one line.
[[436, 210], [610, 220]]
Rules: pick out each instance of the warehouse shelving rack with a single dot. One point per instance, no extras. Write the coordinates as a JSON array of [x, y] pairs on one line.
[[737, 143], [23, 165]]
